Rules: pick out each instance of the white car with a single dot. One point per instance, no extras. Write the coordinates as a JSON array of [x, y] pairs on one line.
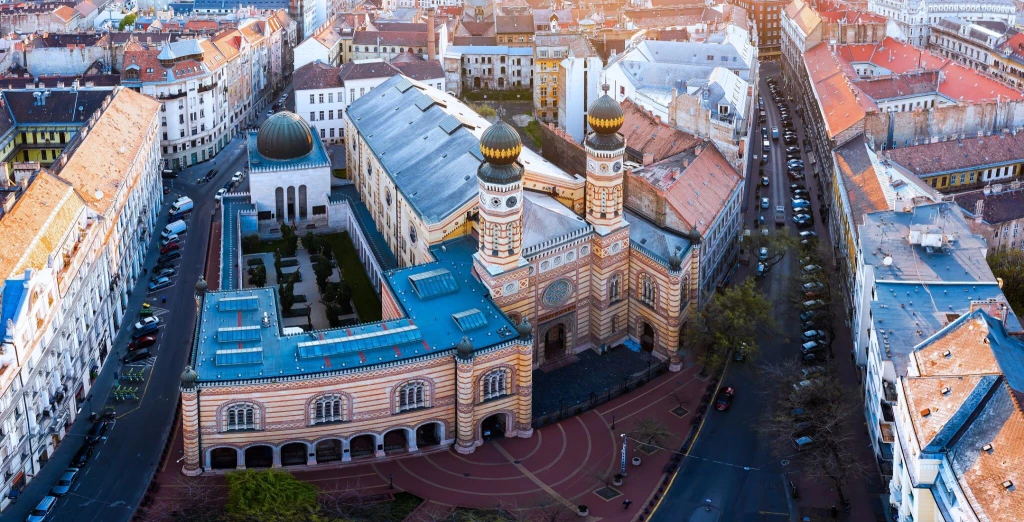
[[220, 194], [146, 321], [236, 177], [762, 253]]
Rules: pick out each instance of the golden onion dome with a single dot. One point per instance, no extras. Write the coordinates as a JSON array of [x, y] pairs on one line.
[[500, 144], [605, 116]]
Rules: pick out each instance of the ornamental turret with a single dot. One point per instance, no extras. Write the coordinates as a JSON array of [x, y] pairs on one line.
[[605, 149], [500, 179]]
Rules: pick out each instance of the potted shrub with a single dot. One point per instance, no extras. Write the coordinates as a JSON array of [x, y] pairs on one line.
[[636, 461], [582, 510], [617, 479]]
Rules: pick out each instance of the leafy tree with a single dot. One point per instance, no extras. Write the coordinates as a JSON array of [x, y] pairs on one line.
[[128, 21], [830, 418], [778, 242], [250, 243], [485, 110], [323, 270], [259, 276], [312, 243], [734, 319], [1008, 265], [271, 496], [277, 265], [286, 293], [291, 241]]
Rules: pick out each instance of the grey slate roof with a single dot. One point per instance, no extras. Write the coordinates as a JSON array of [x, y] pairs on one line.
[[433, 168], [228, 5], [61, 106], [659, 242], [546, 218]]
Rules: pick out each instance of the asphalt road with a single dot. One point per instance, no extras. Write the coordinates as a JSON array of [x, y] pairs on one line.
[[112, 484], [731, 463]]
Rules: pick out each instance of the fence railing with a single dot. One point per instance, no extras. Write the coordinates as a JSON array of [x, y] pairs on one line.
[[598, 398]]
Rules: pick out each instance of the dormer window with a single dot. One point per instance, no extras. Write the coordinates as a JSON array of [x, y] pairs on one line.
[[723, 110]]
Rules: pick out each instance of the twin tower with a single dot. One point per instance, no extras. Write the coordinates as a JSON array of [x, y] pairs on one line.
[[500, 178]]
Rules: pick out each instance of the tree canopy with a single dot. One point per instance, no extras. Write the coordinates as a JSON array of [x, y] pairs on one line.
[[733, 319], [270, 496], [128, 21], [1008, 265]]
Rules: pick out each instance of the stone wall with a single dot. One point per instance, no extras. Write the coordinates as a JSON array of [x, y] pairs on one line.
[[559, 148], [63, 61], [967, 119]]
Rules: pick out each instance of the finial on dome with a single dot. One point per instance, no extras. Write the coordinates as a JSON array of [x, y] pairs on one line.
[[189, 378], [605, 116], [201, 286], [524, 328], [464, 348]]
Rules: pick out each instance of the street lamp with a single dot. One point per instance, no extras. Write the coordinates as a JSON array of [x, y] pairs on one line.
[[391, 481]]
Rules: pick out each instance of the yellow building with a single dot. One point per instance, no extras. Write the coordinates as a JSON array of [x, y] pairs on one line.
[[549, 50]]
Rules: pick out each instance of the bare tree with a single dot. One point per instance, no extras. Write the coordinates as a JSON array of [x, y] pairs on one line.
[[540, 509], [189, 499], [809, 402], [777, 242], [651, 433]]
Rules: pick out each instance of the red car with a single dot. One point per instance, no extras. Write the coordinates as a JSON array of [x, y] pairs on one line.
[[169, 247], [141, 342], [724, 398]]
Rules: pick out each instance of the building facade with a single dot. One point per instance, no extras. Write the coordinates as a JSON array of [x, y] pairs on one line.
[[75, 241], [914, 19]]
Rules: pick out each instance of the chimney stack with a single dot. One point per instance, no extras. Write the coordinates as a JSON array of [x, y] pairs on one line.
[[431, 45]]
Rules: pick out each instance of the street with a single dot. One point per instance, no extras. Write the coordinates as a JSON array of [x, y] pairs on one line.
[[731, 463], [113, 482]]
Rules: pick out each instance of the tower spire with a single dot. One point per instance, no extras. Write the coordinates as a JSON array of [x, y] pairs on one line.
[[605, 150], [500, 180]]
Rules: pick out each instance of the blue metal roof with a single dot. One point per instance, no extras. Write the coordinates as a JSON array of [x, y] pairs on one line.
[[229, 240], [433, 283], [431, 325], [11, 300]]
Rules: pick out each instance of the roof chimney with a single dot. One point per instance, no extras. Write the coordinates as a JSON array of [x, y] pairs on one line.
[[431, 51]]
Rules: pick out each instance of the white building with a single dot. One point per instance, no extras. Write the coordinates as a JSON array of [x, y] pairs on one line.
[[210, 88], [914, 18], [489, 67], [323, 46], [580, 72], [971, 44], [74, 244], [323, 92]]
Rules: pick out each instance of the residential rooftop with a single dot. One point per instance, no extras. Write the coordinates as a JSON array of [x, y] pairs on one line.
[[1001, 204], [979, 152]]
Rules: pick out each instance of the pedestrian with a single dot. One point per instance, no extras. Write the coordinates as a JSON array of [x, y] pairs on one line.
[[626, 503], [834, 512], [163, 299]]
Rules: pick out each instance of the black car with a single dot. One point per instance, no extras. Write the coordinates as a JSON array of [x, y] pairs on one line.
[[96, 432], [137, 355], [82, 456], [793, 149], [168, 257]]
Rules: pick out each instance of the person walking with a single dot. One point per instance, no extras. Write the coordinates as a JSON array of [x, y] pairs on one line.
[[626, 503]]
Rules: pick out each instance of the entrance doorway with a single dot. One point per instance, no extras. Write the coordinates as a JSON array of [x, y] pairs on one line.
[[362, 446], [293, 454], [224, 458], [647, 338], [259, 457], [427, 435], [554, 342], [493, 427], [328, 451], [395, 441]]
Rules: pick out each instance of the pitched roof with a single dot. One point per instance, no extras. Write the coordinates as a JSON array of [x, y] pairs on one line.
[[999, 207], [364, 69], [427, 70], [803, 15], [38, 224], [99, 165], [702, 190], [838, 99], [316, 75], [520, 23], [899, 85], [930, 159], [646, 135], [403, 38], [863, 188], [65, 13]]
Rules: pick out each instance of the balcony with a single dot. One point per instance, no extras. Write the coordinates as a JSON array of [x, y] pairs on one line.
[[890, 391], [887, 414], [887, 434]]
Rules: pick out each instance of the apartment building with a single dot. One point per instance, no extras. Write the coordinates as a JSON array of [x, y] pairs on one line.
[[488, 67], [929, 302], [548, 52], [913, 21], [966, 163], [210, 88], [973, 44], [767, 18], [75, 239], [996, 213]]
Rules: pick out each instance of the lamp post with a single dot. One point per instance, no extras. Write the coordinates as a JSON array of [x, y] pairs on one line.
[[391, 481], [613, 420]]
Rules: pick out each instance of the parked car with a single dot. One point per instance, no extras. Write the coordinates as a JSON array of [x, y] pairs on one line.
[[812, 346], [173, 238], [138, 355], [64, 482], [42, 509], [811, 269], [160, 283], [169, 247], [147, 321], [812, 304], [141, 342], [764, 203], [802, 443], [96, 432], [813, 286], [808, 234], [796, 186], [801, 218], [724, 398], [801, 203], [82, 456], [764, 181], [168, 257], [812, 335], [166, 271], [812, 314], [220, 194], [761, 269], [236, 177], [762, 253], [148, 330], [793, 149]]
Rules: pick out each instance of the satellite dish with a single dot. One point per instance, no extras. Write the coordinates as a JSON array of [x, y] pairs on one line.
[[98, 194], [887, 261]]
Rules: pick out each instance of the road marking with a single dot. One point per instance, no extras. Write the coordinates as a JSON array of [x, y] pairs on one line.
[[533, 478], [138, 404], [692, 444]]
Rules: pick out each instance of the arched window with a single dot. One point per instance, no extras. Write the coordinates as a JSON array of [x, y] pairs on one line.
[[411, 396], [327, 408], [613, 288], [604, 200], [686, 288], [242, 416], [494, 237], [494, 384], [511, 234], [648, 292]]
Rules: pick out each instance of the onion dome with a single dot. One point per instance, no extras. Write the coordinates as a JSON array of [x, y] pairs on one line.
[[524, 328], [464, 348], [284, 136], [201, 286], [189, 377], [605, 116], [500, 144], [674, 261]]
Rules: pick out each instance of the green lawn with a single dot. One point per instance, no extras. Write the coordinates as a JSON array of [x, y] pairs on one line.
[[266, 246], [533, 131], [340, 173], [364, 297]]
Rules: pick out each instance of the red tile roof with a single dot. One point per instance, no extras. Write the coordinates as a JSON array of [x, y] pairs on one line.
[[863, 189], [841, 103], [645, 135], [952, 156], [702, 190]]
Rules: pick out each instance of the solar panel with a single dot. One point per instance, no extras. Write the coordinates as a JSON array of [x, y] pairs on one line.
[[433, 283], [238, 334], [470, 319], [233, 304], [360, 342], [239, 356], [450, 124]]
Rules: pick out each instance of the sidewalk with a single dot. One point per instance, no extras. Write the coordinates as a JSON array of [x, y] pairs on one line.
[[558, 463]]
